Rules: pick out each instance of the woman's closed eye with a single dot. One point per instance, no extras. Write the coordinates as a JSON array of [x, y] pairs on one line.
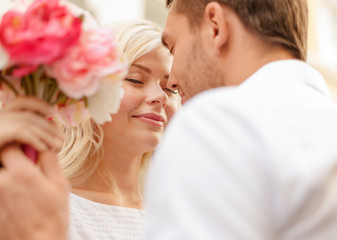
[[134, 80]]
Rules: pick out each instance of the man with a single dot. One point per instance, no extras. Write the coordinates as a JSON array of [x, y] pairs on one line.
[[255, 157]]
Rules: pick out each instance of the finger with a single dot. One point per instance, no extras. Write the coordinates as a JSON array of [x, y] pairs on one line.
[[30, 137], [48, 128], [49, 165], [43, 123], [30, 128], [38, 139], [13, 158], [42, 136], [30, 103]]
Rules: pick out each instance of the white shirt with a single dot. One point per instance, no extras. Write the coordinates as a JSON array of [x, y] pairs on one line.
[[95, 221], [256, 161]]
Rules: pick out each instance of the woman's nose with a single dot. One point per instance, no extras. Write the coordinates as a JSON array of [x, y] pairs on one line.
[[156, 95]]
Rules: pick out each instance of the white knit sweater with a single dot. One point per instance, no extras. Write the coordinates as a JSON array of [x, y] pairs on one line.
[[92, 221]]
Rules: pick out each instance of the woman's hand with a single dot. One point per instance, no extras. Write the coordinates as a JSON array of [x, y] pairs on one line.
[[24, 121], [34, 201]]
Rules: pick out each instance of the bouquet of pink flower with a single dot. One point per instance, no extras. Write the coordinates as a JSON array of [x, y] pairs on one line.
[[56, 51]]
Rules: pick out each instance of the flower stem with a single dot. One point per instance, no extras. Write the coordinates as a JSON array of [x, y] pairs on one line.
[[61, 98], [53, 91], [34, 83], [5, 81], [28, 86]]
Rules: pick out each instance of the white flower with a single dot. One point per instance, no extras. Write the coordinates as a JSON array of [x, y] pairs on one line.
[[106, 101]]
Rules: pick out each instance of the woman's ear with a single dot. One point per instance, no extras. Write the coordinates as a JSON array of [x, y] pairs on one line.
[[215, 18]]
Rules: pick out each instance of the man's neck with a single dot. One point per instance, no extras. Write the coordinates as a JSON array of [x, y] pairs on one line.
[[244, 62]]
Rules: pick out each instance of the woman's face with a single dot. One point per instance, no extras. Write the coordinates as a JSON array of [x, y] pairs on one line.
[[147, 104]]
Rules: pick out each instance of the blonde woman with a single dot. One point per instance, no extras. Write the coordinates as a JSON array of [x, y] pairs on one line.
[[106, 164]]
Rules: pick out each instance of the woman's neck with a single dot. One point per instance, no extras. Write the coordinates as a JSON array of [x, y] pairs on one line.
[[116, 181]]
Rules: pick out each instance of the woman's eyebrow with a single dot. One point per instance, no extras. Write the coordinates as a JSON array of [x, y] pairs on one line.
[[146, 69]]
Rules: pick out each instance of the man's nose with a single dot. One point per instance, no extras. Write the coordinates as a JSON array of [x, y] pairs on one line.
[[172, 83]]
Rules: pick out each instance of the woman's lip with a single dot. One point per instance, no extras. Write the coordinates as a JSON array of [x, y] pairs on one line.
[[151, 121], [151, 118]]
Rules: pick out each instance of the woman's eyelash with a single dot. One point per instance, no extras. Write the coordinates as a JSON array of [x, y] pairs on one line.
[[133, 80], [171, 91], [140, 82]]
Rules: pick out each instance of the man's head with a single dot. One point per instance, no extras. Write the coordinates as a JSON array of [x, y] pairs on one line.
[[281, 22], [273, 24]]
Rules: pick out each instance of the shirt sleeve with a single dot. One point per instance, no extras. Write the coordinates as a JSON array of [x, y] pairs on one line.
[[206, 178]]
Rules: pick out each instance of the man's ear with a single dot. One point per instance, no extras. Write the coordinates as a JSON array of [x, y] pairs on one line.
[[215, 18]]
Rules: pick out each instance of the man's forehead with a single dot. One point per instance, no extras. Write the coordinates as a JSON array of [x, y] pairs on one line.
[[169, 25], [175, 22]]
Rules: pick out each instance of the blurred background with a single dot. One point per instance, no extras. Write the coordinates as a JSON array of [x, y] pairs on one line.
[[322, 31]]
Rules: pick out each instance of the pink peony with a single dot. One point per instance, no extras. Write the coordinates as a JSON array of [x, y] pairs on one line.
[[71, 113], [96, 57], [40, 35], [23, 70]]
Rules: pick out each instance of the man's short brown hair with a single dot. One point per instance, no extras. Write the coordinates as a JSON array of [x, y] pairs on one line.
[[282, 22]]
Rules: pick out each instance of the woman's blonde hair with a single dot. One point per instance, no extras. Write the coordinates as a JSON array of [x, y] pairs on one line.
[[82, 150]]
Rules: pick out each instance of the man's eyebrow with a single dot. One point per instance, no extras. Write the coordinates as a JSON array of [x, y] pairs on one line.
[[163, 40], [146, 69]]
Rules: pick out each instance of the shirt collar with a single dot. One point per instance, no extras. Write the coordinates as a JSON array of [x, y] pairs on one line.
[[287, 72]]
